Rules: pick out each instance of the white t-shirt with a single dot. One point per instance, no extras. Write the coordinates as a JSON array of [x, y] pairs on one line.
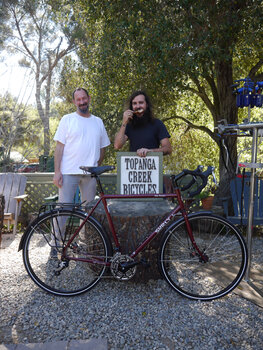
[[82, 138]]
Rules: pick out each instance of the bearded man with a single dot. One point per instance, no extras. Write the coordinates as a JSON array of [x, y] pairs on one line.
[[81, 139], [145, 132]]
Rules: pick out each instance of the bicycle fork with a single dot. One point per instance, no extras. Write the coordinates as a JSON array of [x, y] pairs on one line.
[[203, 257]]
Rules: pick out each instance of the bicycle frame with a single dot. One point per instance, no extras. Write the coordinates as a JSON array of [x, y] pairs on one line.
[[104, 197], [194, 248]]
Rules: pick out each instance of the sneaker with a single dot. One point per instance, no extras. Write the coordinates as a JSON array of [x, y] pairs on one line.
[[53, 253]]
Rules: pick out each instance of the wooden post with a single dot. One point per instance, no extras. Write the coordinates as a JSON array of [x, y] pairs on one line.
[[2, 209]]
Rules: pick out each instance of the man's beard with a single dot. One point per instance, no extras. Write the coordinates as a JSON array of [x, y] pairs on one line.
[[138, 122], [84, 108]]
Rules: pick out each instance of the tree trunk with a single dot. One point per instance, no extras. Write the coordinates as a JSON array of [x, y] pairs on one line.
[[228, 111], [44, 119], [46, 137]]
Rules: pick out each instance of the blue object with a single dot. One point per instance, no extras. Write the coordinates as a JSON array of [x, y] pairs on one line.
[[240, 191], [259, 100], [259, 86], [246, 100], [249, 94], [239, 101]]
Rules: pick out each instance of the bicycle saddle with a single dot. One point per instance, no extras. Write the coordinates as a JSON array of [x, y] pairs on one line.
[[97, 170]]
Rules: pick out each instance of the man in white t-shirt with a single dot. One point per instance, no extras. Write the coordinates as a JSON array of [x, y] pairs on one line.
[[81, 140]]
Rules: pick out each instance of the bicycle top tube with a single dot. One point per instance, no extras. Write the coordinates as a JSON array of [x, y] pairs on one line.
[[180, 207], [195, 174]]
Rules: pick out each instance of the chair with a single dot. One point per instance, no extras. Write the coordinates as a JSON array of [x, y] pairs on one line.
[[12, 186], [240, 192]]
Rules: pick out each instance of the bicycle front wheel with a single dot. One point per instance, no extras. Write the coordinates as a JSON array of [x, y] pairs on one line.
[[220, 243], [83, 262]]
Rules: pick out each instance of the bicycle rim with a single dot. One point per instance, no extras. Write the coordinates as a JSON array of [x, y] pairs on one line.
[[50, 234], [219, 241]]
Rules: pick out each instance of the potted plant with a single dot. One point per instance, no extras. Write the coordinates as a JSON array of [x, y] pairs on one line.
[[207, 196]]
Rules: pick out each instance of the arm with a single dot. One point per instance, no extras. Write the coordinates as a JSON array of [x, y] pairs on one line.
[[57, 179], [102, 154], [165, 147], [120, 137]]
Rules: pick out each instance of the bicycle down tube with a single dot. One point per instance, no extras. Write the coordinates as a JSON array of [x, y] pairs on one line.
[[194, 251], [179, 208], [103, 198]]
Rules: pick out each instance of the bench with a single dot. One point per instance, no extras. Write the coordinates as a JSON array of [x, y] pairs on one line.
[[12, 187]]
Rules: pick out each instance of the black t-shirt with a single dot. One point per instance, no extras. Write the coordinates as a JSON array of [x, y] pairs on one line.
[[147, 136]]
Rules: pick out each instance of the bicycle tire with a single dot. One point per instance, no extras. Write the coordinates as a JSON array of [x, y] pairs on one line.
[[181, 265], [78, 277]]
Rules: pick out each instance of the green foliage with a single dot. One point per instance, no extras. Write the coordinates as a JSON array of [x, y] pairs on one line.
[[185, 53], [190, 149], [5, 30], [38, 37], [18, 130], [208, 191]]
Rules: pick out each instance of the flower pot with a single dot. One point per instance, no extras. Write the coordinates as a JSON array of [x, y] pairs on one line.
[[207, 202]]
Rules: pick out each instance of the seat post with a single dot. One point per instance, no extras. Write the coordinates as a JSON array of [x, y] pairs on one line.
[[99, 184]]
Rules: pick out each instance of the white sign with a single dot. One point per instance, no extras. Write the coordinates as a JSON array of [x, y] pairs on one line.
[[139, 175]]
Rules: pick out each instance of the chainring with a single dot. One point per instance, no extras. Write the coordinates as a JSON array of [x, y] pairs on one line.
[[115, 267]]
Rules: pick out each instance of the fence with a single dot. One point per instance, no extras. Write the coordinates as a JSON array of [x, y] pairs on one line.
[[40, 186]]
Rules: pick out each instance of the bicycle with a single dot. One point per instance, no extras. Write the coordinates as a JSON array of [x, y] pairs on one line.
[[195, 250]]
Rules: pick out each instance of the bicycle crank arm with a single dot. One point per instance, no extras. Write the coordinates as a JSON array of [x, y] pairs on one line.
[[61, 266], [125, 266]]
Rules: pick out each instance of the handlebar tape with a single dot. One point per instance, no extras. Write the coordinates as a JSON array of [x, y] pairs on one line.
[[195, 173], [204, 178], [199, 170]]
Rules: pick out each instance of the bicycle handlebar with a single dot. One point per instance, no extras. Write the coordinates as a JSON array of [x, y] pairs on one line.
[[197, 173], [192, 182]]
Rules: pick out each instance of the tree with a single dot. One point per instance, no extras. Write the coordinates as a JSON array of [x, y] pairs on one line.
[[43, 46], [5, 30], [18, 129], [172, 48]]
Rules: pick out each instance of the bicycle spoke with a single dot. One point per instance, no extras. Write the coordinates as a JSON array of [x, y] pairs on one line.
[[66, 273], [221, 245]]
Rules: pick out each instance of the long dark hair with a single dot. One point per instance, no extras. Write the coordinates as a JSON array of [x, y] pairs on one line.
[[148, 115]]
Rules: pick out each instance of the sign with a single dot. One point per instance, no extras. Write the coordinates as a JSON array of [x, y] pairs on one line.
[[139, 175]]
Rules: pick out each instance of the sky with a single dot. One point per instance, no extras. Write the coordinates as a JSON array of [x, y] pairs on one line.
[[16, 80]]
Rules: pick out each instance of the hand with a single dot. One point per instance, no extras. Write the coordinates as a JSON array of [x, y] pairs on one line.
[[127, 115], [142, 152], [58, 179]]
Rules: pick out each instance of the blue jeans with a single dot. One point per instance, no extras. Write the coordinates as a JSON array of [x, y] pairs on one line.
[[87, 186]]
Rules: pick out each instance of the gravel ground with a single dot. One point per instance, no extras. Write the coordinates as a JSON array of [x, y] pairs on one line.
[[128, 315]]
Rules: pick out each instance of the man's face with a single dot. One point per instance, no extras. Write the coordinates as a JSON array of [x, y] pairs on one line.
[[81, 101], [139, 103]]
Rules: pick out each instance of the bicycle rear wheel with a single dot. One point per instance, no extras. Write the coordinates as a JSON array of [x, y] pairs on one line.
[[219, 241], [43, 245]]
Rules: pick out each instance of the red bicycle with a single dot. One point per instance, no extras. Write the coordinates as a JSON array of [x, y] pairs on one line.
[[202, 256]]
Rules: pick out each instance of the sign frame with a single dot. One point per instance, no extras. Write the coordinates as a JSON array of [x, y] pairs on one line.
[[133, 155]]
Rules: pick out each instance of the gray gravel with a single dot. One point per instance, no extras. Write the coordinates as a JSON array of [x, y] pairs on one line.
[[128, 315]]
